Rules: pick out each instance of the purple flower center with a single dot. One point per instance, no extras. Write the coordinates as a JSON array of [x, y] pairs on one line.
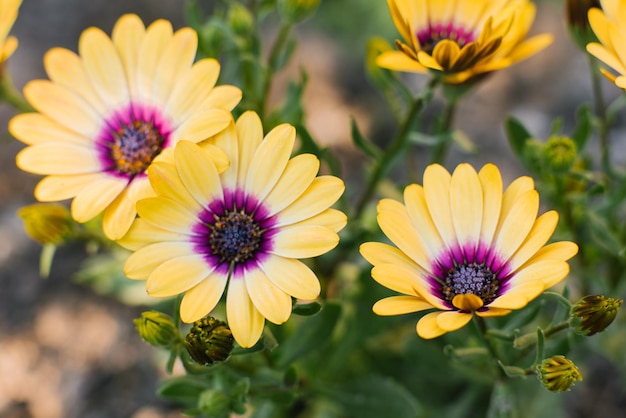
[[430, 36], [477, 279], [234, 232], [234, 237], [131, 139]]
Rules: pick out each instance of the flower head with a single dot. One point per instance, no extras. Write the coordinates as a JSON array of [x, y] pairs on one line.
[[157, 329], [8, 14], [107, 114], [245, 228], [465, 247], [209, 341], [47, 224], [594, 313], [558, 374], [609, 25], [461, 40]]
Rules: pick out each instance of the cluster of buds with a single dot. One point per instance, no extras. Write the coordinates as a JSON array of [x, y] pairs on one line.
[[594, 313], [209, 341], [558, 374]]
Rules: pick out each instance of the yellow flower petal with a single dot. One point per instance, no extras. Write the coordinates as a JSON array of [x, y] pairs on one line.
[[127, 36], [332, 219], [269, 300], [93, 199], [250, 135], [292, 277], [437, 193], [379, 253], [120, 214], [295, 179], [66, 69], [177, 275], [322, 193], [466, 203], [417, 209], [197, 172], [467, 302], [269, 160], [35, 128], [428, 328], [491, 183], [399, 305], [142, 262], [174, 62], [493, 312], [540, 233], [304, 241], [104, 67], [203, 124], [157, 37], [165, 181], [517, 224], [63, 106], [54, 188], [58, 159], [223, 97], [142, 233], [201, 299], [244, 319], [192, 90], [398, 61], [453, 320], [167, 214]]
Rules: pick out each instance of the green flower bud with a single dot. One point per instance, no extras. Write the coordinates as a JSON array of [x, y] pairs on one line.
[[560, 153], [157, 329], [214, 404], [578, 23], [558, 374], [47, 224], [240, 20], [297, 10], [594, 313], [533, 154], [209, 341]]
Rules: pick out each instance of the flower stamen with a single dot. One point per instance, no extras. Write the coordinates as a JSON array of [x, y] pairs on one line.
[[470, 279], [135, 145], [234, 237]]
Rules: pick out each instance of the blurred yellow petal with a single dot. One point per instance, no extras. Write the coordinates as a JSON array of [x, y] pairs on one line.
[[201, 299], [304, 241], [453, 320], [177, 275], [399, 305], [292, 277], [58, 159], [94, 199], [428, 328], [142, 262], [271, 302], [244, 319]]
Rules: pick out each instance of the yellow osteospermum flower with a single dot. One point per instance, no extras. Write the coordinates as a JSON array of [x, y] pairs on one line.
[[107, 114], [461, 39], [609, 25], [464, 246], [8, 14], [246, 228]]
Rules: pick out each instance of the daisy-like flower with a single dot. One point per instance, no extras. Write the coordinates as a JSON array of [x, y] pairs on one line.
[[461, 39], [8, 14], [609, 25], [244, 229], [465, 247], [107, 114]]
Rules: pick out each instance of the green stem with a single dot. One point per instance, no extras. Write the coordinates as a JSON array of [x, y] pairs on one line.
[[397, 145], [480, 326], [441, 150], [9, 94], [603, 129], [272, 65]]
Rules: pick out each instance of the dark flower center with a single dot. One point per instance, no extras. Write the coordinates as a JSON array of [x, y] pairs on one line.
[[473, 278], [431, 36], [135, 145], [234, 237]]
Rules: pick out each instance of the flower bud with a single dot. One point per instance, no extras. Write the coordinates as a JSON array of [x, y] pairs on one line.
[[560, 153], [577, 21], [240, 20], [47, 224], [297, 10], [214, 404], [209, 341], [594, 313], [157, 329], [558, 374]]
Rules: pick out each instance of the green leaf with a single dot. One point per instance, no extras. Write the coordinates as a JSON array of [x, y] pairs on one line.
[[502, 402], [582, 132], [512, 371], [557, 126], [419, 138], [602, 233], [517, 135], [374, 397], [183, 389], [311, 335], [307, 309], [363, 143]]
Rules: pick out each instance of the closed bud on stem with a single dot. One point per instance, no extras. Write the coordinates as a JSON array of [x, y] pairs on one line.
[[558, 374], [157, 329], [214, 403], [594, 313], [560, 153], [240, 20], [209, 341], [577, 21], [47, 224], [297, 10]]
